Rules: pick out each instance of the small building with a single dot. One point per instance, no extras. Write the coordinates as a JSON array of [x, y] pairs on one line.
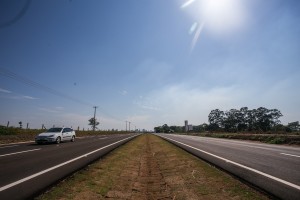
[[187, 127]]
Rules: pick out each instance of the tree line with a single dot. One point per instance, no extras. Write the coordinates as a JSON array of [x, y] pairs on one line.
[[244, 119], [238, 120]]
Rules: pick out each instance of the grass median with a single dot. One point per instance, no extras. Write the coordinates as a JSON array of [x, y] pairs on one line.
[[148, 167]]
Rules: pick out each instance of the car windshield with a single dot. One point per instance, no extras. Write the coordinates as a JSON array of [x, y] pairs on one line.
[[54, 130]]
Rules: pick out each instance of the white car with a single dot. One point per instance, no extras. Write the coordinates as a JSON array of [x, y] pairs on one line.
[[56, 135]]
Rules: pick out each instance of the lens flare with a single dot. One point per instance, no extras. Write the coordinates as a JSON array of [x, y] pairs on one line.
[[193, 28], [186, 4], [221, 17], [196, 36]]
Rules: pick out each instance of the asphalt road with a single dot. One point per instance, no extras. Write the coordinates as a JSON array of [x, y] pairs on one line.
[[273, 168], [26, 169]]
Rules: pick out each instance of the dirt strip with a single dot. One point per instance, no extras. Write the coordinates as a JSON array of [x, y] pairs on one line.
[[151, 168]]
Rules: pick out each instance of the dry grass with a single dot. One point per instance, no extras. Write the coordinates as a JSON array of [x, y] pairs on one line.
[[151, 168]]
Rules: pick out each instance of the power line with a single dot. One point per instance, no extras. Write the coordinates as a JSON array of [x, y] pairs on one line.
[[31, 83]]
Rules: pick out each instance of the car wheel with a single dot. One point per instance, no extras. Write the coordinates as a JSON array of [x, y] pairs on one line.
[[73, 138], [58, 140]]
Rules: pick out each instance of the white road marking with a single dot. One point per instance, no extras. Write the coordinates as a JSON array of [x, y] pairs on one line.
[[19, 152], [240, 165], [245, 145], [56, 166], [102, 138], [235, 142], [290, 155], [9, 146]]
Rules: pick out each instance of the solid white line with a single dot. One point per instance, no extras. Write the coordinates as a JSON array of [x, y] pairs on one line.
[[234, 142], [240, 165], [56, 166], [290, 155], [9, 146], [245, 145], [18, 152]]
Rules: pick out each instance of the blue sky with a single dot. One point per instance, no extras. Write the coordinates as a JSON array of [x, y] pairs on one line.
[[148, 62]]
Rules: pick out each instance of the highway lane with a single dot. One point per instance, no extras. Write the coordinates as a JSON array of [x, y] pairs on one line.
[[27, 169], [274, 168]]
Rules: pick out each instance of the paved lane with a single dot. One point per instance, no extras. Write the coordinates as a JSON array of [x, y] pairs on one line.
[[274, 168], [27, 169]]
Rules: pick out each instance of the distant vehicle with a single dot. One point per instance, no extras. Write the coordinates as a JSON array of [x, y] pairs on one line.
[[56, 135]]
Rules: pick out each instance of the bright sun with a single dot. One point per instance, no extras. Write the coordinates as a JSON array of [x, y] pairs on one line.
[[223, 15], [219, 17]]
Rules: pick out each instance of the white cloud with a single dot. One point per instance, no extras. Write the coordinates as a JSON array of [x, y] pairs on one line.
[[178, 103], [145, 104], [283, 96], [74, 120], [123, 92], [12, 96], [29, 97], [148, 107], [59, 108], [4, 91], [153, 71], [50, 110], [21, 97], [110, 123]]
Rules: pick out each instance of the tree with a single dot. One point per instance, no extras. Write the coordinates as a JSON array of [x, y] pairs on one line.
[[200, 128], [294, 126], [216, 119], [94, 123], [275, 115], [260, 119], [166, 128], [20, 123], [242, 117], [158, 129], [266, 119], [176, 129], [231, 120]]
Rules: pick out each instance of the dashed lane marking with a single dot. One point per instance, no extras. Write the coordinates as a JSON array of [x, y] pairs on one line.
[[19, 152], [290, 155]]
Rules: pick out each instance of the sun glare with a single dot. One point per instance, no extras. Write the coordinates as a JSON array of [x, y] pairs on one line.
[[221, 17]]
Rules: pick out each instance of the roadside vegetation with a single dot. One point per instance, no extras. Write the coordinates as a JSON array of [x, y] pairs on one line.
[[149, 167], [259, 124], [270, 138]]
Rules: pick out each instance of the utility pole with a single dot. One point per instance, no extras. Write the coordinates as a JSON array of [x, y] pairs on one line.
[[129, 126], [95, 118], [126, 125]]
